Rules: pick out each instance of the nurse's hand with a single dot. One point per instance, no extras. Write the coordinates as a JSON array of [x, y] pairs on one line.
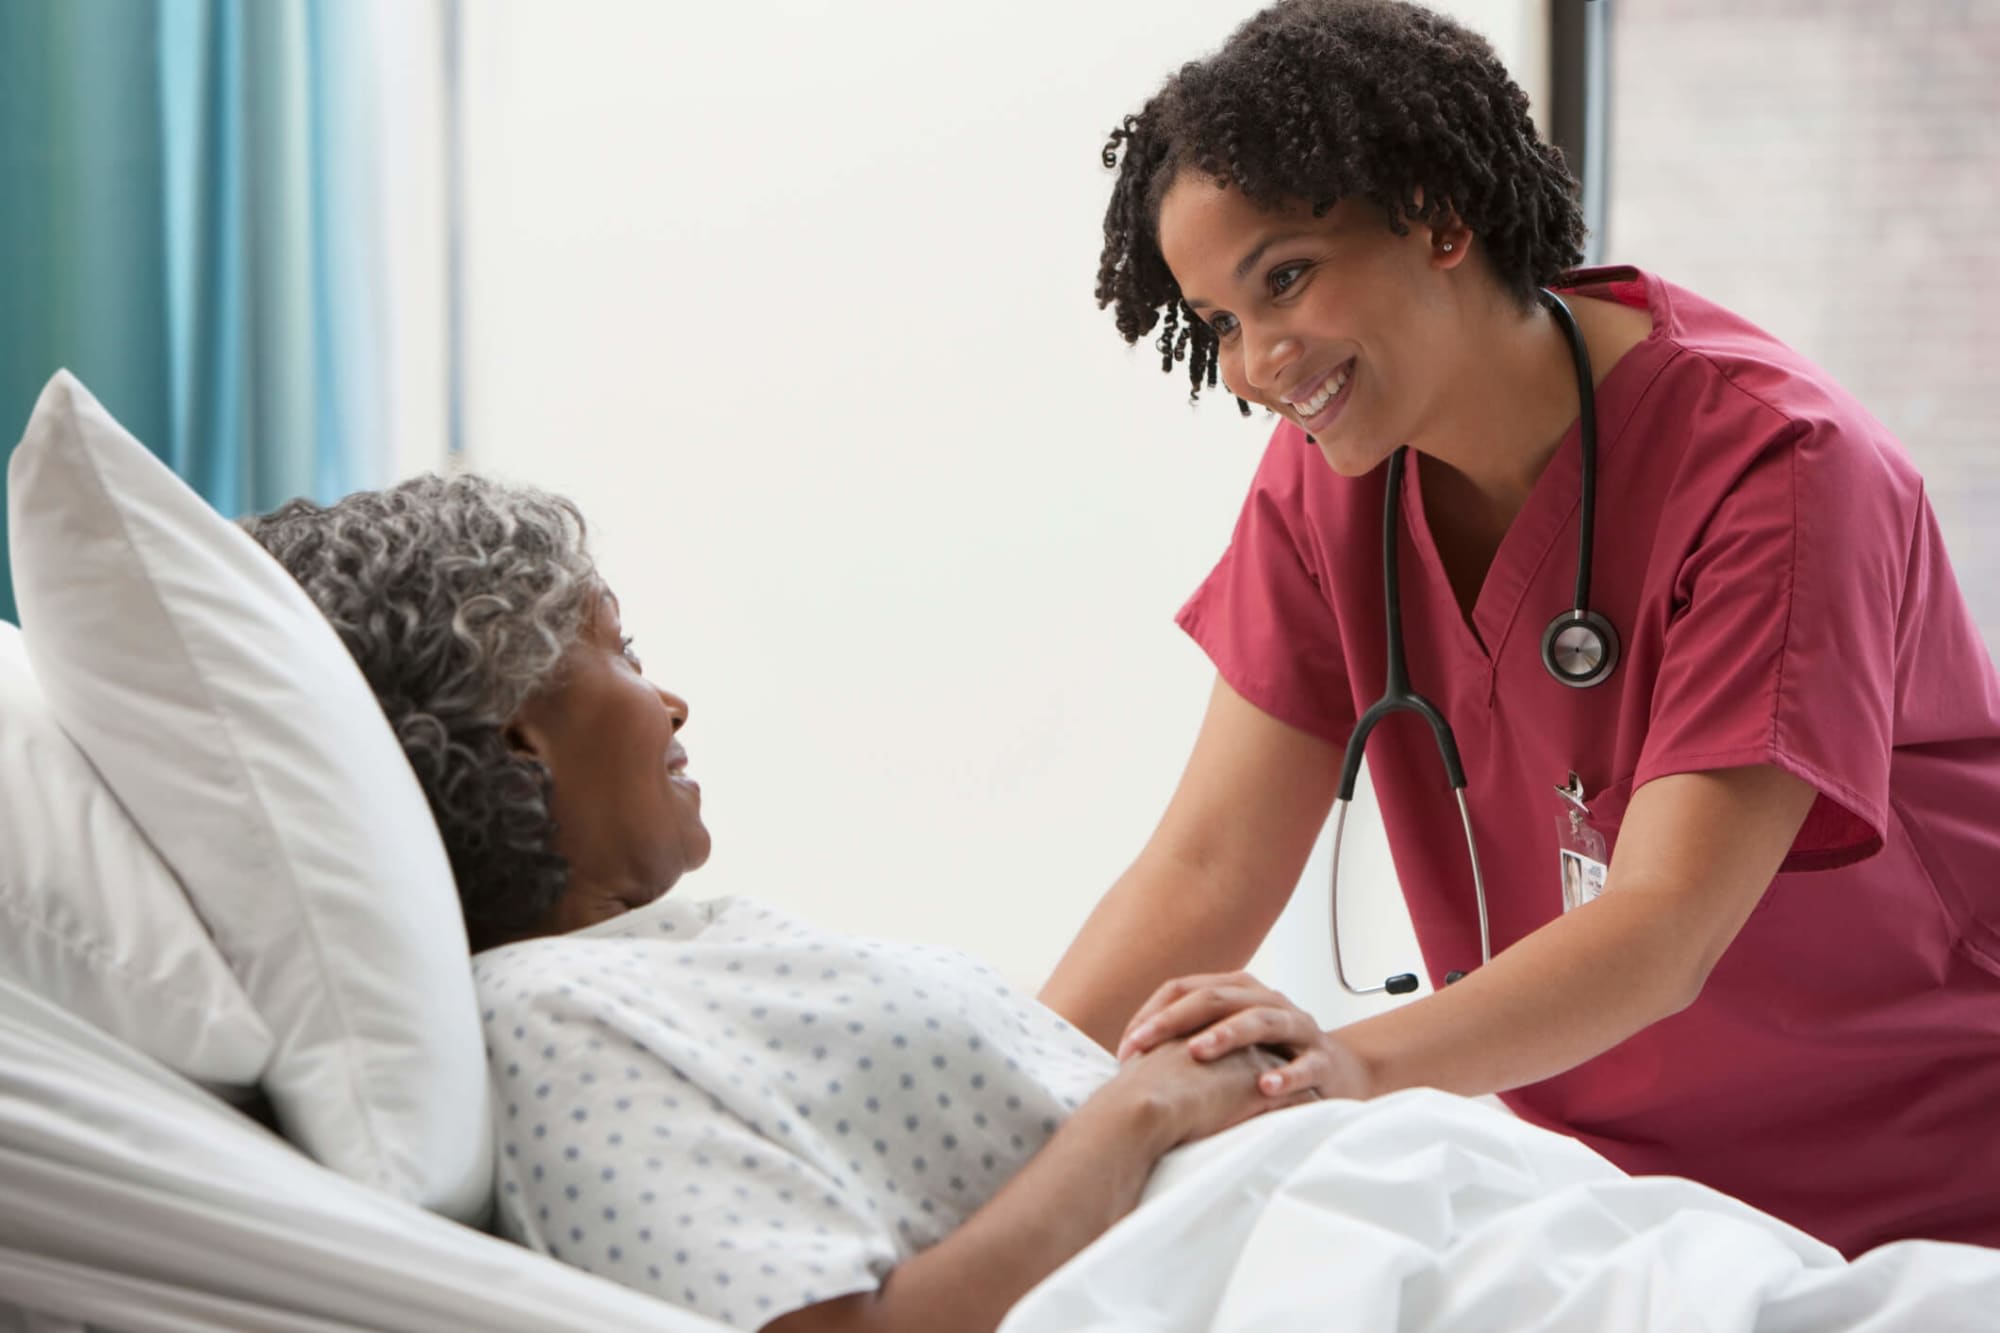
[[1227, 1012]]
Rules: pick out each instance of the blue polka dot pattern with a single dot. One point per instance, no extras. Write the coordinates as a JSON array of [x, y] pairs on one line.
[[819, 1148]]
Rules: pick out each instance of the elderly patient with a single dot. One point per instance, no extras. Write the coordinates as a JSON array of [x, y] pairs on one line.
[[711, 1101]]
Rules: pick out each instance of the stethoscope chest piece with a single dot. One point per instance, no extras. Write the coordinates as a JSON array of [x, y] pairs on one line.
[[1580, 648]]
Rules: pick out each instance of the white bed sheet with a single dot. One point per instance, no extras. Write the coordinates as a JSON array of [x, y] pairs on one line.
[[1432, 1213], [133, 1201]]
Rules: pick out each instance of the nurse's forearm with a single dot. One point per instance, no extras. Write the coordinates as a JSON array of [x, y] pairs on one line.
[[1161, 919], [1569, 992], [1697, 853], [1214, 875]]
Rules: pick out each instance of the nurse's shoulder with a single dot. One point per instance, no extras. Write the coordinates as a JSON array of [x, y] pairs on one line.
[[1782, 385]]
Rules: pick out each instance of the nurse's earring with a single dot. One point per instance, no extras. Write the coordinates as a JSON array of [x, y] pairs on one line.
[[1447, 247]]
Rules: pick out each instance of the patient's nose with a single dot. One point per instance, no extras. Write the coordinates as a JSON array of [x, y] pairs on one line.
[[677, 707]]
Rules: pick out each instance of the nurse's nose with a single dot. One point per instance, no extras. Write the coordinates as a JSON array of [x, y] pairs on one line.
[[1266, 359]]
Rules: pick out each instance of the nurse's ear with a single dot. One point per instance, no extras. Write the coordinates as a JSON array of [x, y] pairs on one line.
[[1448, 238], [1450, 242]]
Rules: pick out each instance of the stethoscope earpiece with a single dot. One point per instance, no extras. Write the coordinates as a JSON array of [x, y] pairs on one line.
[[1580, 648]]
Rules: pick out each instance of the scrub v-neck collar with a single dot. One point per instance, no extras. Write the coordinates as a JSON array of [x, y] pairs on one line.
[[1531, 540]]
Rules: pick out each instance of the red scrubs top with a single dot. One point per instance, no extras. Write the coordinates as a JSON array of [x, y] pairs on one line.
[[1765, 550]]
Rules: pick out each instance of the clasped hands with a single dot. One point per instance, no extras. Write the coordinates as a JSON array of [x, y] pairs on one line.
[[1223, 1012]]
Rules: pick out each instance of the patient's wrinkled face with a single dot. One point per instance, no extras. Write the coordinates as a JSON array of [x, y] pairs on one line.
[[627, 815]]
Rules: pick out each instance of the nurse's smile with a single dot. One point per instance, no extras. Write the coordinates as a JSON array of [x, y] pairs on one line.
[[1318, 403]]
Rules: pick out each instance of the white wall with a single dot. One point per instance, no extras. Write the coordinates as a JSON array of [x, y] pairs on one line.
[[795, 300], [408, 105]]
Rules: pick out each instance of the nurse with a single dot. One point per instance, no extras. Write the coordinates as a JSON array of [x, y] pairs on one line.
[[1789, 984]]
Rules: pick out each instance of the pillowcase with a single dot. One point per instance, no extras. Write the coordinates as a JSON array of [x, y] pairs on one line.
[[89, 916], [223, 710]]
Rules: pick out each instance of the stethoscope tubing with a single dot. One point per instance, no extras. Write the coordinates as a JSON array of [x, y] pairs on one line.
[[1586, 392], [1399, 697], [1405, 982]]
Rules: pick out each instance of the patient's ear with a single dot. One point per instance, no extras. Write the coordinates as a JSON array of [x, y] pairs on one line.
[[526, 736]]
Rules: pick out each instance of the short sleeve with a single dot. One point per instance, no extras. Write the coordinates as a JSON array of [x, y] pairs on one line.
[[1262, 615], [626, 1150], [1782, 645]]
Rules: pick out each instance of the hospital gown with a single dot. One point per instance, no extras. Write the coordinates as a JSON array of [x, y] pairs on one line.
[[722, 1105]]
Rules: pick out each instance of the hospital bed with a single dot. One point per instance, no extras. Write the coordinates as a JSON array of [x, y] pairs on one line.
[[220, 891], [134, 1200]]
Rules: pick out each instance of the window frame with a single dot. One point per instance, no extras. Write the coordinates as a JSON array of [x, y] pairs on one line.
[[1580, 106]]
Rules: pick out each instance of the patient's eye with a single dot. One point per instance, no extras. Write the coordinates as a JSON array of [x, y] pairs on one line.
[[625, 646]]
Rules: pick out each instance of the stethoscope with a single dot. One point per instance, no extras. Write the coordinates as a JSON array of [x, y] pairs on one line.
[[1579, 648]]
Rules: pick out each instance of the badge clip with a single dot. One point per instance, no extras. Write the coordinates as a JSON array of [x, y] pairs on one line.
[[1581, 854]]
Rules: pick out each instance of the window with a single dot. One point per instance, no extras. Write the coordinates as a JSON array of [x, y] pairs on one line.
[[1830, 169]]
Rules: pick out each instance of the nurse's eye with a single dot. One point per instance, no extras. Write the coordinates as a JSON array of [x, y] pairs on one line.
[[1284, 279], [1222, 324]]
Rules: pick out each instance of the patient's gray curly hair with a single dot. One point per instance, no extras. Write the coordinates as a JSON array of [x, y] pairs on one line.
[[458, 597]]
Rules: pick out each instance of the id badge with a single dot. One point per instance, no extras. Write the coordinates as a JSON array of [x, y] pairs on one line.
[[1581, 860]]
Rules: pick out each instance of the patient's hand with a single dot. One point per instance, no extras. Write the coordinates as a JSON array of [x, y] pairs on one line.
[[1089, 1174]]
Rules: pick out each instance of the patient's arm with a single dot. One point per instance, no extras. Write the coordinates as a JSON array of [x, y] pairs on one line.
[[1085, 1178], [1215, 874]]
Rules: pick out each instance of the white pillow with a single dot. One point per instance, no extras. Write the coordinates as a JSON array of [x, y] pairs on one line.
[[91, 919], [222, 709]]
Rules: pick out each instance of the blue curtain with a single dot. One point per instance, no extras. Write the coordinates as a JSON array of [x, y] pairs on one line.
[[184, 222]]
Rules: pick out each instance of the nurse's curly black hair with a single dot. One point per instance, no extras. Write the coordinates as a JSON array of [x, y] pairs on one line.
[[458, 597], [1324, 100]]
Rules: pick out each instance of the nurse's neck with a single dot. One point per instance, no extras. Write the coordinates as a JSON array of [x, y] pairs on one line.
[[1507, 399]]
